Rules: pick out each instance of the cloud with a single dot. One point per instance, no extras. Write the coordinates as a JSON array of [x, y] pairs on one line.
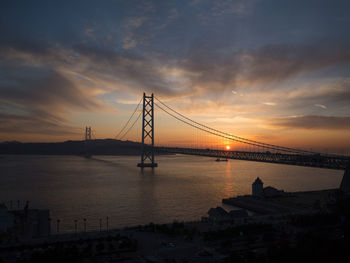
[[129, 41], [48, 83], [320, 106], [270, 103], [201, 71], [53, 81], [90, 32], [331, 93], [128, 102], [134, 22], [280, 62], [235, 7], [312, 122], [131, 38], [38, 100], [132, 72], [35, 124], [258, 68]]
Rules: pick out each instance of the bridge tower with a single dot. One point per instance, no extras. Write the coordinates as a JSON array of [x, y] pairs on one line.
[[147, 155], [87, 149], [87, 133]]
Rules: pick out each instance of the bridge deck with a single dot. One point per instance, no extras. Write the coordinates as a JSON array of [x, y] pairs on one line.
[[320, 161]]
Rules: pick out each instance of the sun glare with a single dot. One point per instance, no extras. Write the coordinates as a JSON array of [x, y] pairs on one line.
[[228, 147]]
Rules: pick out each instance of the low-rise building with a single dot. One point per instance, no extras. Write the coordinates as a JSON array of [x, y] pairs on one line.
[[258, 190], [218, 215], [270, 191]]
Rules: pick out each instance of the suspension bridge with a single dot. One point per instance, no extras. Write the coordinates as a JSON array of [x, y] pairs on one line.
[[257, 151]]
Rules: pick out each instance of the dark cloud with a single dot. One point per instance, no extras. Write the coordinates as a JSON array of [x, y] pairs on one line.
[[338, 93], [50, 81], [235, 7], [332, 94], [42, 88], [266, 65], [38, 100], [129, 70], [280, 62], [313, 122], [35, 124], [132, 71], [202, 70]]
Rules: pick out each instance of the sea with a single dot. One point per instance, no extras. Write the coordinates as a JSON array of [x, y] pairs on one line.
[[181, 188]]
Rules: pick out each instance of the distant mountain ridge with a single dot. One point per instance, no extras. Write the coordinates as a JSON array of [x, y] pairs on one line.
[[93, 147]]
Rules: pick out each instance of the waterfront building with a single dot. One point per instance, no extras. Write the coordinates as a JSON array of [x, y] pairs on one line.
[[270, 191], [218, 215], [258, 187]]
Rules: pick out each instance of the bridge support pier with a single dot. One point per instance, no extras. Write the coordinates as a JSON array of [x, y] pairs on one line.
[[147, 155]]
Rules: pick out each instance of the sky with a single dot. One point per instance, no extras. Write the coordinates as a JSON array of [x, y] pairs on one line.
[[274, 71]]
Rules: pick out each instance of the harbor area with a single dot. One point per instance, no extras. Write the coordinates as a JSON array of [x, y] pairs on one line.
[[293, 202], [270, 225]]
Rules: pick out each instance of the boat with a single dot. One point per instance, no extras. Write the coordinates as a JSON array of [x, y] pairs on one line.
[[220, 160]]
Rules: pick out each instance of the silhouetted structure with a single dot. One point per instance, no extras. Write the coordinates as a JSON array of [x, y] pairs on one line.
[[217, 215], [239, 213], [87, 153], [345, 182], [147, 155], [257, 187], [25, 223], [87, 133], [270, 191]]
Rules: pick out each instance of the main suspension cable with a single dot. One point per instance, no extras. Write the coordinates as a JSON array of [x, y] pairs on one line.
[[126, 124], [218, 134], [257, 143], [138, 117]]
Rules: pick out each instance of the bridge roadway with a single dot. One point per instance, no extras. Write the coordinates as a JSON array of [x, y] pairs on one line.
[[336, 162]]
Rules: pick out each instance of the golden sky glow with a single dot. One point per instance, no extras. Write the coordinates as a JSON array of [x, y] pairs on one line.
[[258, 71]]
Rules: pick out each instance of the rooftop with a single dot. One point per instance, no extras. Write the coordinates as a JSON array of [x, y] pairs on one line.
[[258, 181]]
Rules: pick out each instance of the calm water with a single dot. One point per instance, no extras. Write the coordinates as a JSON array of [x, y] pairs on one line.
[[181, 188]]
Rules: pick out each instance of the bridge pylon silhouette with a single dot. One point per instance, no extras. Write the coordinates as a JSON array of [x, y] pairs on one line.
[[87, 149], [87, 133], [147, 155]]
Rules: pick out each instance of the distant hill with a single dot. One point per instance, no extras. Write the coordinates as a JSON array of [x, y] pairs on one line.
[[93, 147]]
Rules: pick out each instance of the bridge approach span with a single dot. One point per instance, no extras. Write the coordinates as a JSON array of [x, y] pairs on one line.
[[319, 161]]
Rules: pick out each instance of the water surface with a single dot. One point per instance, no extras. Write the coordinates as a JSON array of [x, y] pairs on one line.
[[181, 188]]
